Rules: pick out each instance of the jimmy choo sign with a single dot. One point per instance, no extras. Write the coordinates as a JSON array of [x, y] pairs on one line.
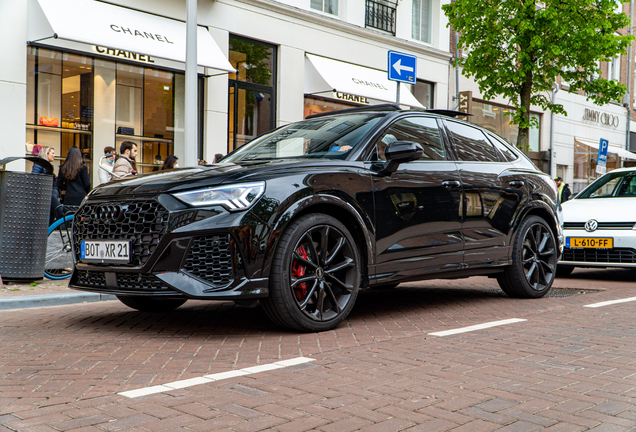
[[606, 119]]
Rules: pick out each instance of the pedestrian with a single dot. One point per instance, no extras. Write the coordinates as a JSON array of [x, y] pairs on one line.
[[106, 165], [125, 164], [170, 162], [563, 190], [217, 157], [48, 153], [73, 181]]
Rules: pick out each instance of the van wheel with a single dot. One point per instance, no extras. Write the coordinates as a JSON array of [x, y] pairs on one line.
[[315, 275], [534, 261]]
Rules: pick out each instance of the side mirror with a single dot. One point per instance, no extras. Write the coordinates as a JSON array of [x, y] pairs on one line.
[[399, 152]]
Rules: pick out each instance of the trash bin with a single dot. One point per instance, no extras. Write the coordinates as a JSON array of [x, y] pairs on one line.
[[25, 203]]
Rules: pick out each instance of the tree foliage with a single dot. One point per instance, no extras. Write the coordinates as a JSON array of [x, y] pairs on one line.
[[518, 48]]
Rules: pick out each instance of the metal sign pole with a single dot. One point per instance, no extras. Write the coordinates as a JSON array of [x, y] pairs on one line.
[[397, 96]]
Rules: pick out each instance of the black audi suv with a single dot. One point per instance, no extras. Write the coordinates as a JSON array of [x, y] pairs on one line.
[[303, 217]]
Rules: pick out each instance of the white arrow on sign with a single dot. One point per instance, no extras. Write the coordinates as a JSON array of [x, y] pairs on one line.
[[399, 68]]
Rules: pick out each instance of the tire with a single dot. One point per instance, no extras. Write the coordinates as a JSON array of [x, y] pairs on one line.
[[564, 271], [534, 261], [150, 304], [315, 275], [59, 261]]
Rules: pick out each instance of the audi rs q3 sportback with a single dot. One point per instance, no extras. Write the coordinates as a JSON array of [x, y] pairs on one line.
[[303, 217]]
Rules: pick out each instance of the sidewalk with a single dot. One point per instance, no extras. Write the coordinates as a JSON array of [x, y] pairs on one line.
[[45, 292]]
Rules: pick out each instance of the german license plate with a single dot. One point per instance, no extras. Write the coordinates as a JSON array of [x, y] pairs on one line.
[[111, 251], [588, 242]]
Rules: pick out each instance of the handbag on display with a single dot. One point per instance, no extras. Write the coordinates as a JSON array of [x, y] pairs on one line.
[[48, 121]]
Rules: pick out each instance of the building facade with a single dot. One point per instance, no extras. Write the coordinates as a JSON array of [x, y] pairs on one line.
[[262, 64]]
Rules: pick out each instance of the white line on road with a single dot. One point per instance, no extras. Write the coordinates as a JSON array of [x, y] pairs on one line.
[[214, 377], [611, 302], [477, 327]]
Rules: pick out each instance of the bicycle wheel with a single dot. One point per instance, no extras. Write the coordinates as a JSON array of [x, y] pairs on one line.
[[59, 249]]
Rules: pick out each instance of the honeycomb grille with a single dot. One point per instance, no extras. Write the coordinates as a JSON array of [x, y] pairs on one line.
[[141, 282], [90, 278], [141, 222], [210, 259], [127, 281], [616, 255]]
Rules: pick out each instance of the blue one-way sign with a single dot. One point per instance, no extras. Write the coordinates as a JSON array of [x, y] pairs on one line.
[[402, 67]]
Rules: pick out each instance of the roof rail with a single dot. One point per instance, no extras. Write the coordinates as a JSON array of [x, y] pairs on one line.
[[379, 107], [448, 113]]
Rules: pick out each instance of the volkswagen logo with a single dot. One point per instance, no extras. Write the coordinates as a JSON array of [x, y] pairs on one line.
[[591, 225]]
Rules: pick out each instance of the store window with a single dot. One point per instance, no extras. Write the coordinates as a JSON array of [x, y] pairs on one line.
[[147, 112], [317, 105], [252, 93], [59, 102], [496, 119], [421, 21], [585, 166], [327, 6], [423, 92]]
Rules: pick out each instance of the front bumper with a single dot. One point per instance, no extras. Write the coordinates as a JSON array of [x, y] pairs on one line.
[[175, 251], [622, 254]]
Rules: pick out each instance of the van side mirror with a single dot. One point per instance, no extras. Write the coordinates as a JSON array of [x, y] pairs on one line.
[[399, 152]]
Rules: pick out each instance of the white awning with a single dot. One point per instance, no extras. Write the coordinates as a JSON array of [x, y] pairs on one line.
[[625, 154], [97, 23], [323, 75]]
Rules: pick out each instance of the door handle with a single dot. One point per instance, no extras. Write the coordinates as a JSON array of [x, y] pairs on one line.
[[451, 184], [516, 183]]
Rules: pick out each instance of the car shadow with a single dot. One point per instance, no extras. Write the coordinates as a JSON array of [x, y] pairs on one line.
[[603, 274]]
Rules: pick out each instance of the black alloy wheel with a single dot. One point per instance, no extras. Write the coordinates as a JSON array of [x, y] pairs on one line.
[[534, 261], [315, 275]]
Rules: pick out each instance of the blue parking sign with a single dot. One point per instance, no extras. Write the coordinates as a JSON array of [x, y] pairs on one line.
[[601, 159], [402, 67]]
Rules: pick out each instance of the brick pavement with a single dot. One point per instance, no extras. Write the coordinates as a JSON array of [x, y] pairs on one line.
[[567, 368]]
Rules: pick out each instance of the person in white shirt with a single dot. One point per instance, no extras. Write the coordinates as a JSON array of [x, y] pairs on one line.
[[107, 164]]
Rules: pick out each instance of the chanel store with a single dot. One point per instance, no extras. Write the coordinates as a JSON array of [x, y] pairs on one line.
[[84, 94]]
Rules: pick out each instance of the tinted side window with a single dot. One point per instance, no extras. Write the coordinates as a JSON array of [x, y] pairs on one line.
[[422, 130], [471, 144], [507, 153]]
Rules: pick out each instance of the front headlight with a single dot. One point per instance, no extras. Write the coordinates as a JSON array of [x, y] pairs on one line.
[[233, 197]]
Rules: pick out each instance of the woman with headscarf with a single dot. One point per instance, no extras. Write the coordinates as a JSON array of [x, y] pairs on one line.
[[73, 180]]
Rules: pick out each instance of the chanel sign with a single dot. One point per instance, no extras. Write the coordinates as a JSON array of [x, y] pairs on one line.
[[605, 119]]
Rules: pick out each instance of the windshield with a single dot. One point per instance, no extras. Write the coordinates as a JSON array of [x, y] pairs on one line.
[[320, 138], [613, 184]]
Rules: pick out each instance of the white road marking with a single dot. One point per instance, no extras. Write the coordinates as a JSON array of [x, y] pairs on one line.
[[611, 302], [214, 377], [477, 327]]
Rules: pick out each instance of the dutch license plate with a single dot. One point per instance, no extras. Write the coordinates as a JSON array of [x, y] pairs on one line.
[[587, 242], [111, 251]]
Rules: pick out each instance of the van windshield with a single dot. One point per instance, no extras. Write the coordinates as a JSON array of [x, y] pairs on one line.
[[320, 138]]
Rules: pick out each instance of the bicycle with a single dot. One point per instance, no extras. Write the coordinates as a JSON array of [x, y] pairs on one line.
[[59, 260]]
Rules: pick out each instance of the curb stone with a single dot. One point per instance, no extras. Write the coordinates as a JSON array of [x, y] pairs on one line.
[[32, 301]]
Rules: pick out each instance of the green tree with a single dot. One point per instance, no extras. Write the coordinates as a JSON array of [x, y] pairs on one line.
[[518, 48]]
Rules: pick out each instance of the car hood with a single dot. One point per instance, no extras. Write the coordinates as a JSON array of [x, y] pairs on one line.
[[181, 179], [601, 209]]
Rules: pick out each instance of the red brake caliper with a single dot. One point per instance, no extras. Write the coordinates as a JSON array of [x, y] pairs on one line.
[[298, 270]]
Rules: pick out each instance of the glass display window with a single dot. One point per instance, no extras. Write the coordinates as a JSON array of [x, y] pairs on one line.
[[317, 105], [60, 102], [584, 168], [252, 93]]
